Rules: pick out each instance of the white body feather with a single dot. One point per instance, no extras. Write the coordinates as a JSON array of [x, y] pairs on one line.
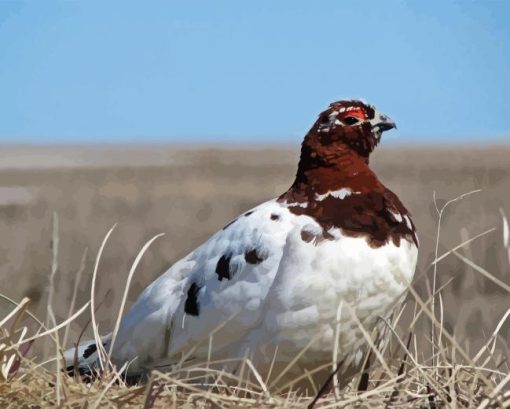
[[279, 304]]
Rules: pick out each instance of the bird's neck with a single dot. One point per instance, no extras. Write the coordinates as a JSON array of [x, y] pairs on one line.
[[326, 169]]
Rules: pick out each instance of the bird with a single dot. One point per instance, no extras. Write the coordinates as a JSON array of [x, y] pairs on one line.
[[292, 284]]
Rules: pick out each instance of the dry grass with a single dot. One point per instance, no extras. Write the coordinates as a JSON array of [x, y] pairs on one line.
[[426, 363]]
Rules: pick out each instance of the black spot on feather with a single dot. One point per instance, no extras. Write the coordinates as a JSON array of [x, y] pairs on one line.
[[230, 223], [191, 306], [71, 371], [275, 217], [248, 213], [90, 350], [223, 268], [307, 236], [254, 256]]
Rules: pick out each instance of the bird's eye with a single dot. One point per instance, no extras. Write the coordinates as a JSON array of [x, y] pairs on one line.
[[350, 120]]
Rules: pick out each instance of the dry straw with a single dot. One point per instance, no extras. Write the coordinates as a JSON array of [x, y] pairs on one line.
[[402, 374]]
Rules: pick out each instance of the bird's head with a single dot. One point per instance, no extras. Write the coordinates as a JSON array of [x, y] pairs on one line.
[[353, 123]]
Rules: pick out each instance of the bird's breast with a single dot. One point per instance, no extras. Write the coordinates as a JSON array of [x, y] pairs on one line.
[[334, 284]]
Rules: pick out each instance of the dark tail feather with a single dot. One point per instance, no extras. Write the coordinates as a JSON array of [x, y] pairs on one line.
[[84, 359]]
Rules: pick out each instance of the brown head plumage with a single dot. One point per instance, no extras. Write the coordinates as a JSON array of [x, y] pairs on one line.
[[353, 123], [334, 184]]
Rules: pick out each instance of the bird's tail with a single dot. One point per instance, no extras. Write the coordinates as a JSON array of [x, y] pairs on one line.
[[84, 359]]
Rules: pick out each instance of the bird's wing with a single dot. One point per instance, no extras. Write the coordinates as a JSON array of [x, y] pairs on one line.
[[218, 289]]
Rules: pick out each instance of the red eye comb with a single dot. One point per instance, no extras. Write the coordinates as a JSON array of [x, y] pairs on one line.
[[355, 112]]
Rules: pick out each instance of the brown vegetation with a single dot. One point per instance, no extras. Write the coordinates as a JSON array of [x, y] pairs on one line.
[[189, 194]]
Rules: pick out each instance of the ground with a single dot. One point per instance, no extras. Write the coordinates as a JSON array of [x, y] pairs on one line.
[[189, 193]]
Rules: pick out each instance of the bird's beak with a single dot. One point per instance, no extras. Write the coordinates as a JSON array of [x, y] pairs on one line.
[[381, 123], [386, 125]]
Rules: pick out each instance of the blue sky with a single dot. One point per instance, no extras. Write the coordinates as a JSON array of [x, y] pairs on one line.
[[250, 72]]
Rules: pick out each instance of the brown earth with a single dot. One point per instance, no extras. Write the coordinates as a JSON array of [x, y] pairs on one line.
[[189, 193]]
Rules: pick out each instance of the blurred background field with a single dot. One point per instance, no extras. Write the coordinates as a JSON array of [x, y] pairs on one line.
[[189, 193], [171, 117]]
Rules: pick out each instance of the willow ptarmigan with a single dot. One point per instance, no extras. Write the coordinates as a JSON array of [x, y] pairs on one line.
[[287, 275]]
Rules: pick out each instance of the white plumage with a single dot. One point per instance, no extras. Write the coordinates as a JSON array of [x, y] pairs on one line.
[[266, 286]]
